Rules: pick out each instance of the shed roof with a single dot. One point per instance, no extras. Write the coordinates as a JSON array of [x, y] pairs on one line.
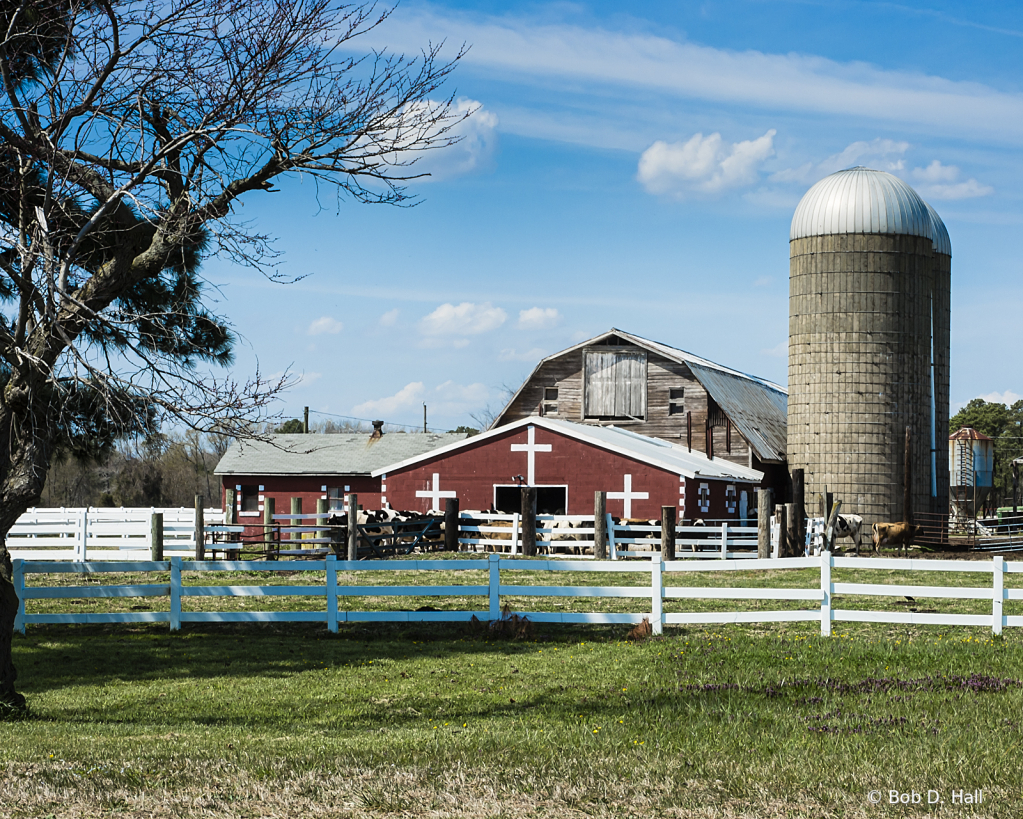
[[757, 407], [654, 451], [341, 454], [968, 434]]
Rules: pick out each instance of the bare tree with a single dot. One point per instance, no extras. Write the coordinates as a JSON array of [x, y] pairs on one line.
[[129, 130]]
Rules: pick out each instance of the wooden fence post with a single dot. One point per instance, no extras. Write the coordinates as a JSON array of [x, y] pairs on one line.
[[322, 509], [528, 520], [296, 509], [200, 530], [792, 531], [156, 536], [269, 508], [783, 529], [798, 498], [599, 525], [229, 507], [765, 502], [175, 590], [331, 581], [451, 524], [353, 527], [668, 532]]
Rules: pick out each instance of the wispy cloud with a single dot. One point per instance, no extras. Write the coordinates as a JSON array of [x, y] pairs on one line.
[[476, 136], [938, 181], [325, 325], [408, 396], [455, 322], [390, 318], [791, 82], [703, 165], [538, 318], [879, 154], [1007, 397]]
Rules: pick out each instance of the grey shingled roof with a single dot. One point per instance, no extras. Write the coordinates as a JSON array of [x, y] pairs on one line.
[[342, 454]]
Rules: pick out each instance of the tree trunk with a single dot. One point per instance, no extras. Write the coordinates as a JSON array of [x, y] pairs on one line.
[[8, 611]]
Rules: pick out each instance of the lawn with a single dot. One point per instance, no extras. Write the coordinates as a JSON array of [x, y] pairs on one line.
[[451, 721]]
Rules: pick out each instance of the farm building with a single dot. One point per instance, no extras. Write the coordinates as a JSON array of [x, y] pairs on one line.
[[314, 467], [652, 389], [567, 463]]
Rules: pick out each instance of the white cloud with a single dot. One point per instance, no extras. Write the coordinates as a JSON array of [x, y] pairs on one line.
[[704, 165], [938, 181], [538, 318], [325, 325], [389, 318], [780, 350], [511, 354], [407, 396], [764, 281], [879, 154], [465, 319], [792, 82], [1008, 397], [476, 135]]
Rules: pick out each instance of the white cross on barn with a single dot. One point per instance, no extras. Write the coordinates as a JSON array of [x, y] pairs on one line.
[[532, 448], [628, 495], [435, 494]]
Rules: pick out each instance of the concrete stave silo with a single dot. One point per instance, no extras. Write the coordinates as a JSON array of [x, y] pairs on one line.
[[868, 343]]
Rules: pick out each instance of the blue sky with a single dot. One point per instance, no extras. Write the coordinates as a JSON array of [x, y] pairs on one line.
[[640, 170]]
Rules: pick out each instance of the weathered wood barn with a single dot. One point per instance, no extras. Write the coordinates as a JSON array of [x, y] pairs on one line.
[[567, 462], [313, 467], [653, 389]]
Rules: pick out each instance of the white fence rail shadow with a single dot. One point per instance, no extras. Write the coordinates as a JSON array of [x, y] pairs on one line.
[[656, 591], [104, 533]]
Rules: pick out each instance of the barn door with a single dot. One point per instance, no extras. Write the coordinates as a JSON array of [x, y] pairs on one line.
[[744, 507]]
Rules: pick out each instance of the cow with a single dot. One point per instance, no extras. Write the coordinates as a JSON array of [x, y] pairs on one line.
[[895, 534], [848, 526]]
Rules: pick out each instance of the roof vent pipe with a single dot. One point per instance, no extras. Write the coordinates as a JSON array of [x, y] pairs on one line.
[[378, 431]]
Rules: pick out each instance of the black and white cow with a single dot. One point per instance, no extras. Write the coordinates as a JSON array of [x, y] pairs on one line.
[[849, 526]]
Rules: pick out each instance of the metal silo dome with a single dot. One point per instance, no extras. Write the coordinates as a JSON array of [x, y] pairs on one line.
[[861, 200], [942, 242]]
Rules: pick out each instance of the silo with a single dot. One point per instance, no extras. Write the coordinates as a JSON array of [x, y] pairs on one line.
[[868, 343]]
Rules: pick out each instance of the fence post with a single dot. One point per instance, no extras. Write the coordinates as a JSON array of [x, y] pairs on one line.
[[83, 547], [269, 507], [612, 547], [765, 500], [516, 533], [782, 547], [175, 590], [495, 587], [528, 520], [156, 536], [229, 507], [321, 509], [331, 582], [353, 527], [451, 524], [998, 595], [827, 561], [296, 509], [792, 543], [724, 540], [200, 530], [19, 589], [668, 532], [657, 591], [599, 525]]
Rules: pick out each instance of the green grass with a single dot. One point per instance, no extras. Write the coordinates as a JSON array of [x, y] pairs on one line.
[[444, 720]]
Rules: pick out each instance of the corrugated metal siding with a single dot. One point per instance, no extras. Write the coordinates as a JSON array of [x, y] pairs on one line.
[[861, 200], [758, 412]]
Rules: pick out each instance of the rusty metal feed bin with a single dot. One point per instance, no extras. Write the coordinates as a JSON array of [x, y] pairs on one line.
[[869, 300]]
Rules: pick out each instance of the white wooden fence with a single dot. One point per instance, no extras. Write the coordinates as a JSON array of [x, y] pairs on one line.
[[504, 532], [106, 533], [821, 596]]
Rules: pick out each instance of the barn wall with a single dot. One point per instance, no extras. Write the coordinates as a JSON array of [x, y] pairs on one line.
[[282, 488], [472, 471], [566, 374]]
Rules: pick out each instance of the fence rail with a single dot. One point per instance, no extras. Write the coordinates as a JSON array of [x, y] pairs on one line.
[[656, 591]]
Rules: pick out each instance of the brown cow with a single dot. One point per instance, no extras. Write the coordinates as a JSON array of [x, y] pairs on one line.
[[895, 534]]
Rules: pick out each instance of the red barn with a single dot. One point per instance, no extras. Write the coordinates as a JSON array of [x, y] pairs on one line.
[[567, 463], [314, 467]]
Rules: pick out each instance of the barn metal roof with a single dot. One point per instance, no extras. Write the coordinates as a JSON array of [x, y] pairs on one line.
[[654, 451], [862, 200], [757, 407], [342, 454], [942, 242]]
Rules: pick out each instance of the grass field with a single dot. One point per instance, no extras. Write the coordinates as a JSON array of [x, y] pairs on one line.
[[449, 721]]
